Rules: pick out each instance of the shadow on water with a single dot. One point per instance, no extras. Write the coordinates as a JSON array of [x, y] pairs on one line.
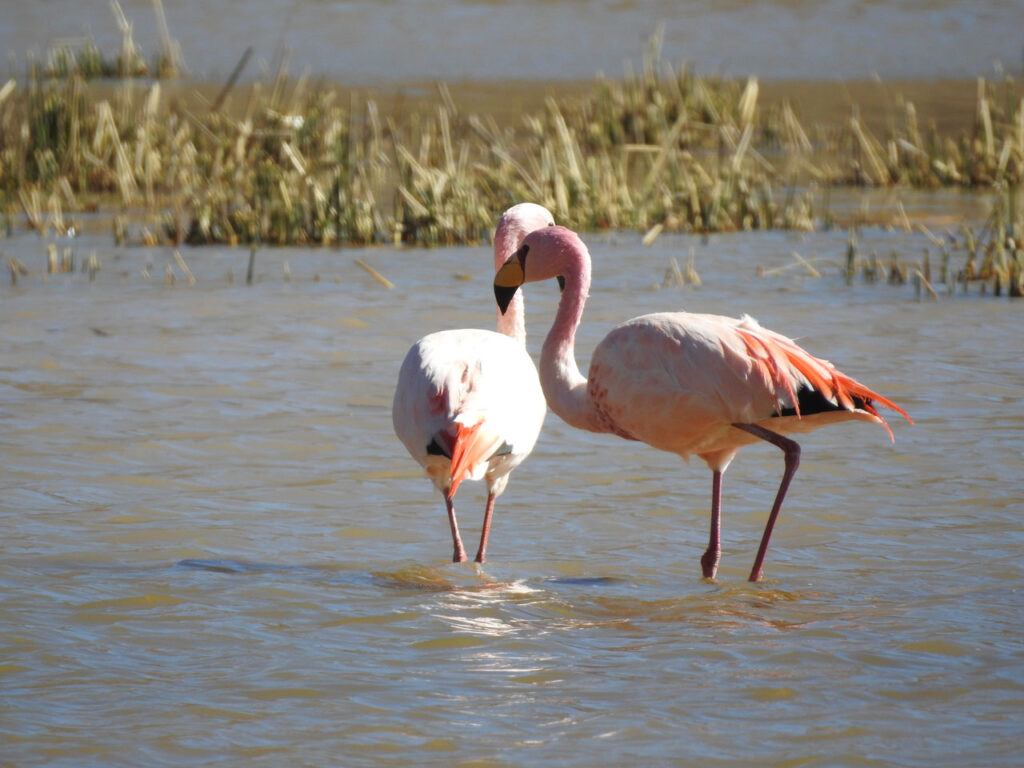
[[236, 567], [587, 581], [314, 574], [410, 578], [594, 598], [481, 600], [474, 578], [565, 602]]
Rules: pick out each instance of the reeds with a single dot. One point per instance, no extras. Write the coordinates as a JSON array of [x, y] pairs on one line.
[[992, 257], [84, 58], [992, 154], [294, 164]]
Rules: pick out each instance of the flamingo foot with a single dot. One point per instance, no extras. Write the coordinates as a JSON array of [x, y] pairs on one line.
[[709, 563]]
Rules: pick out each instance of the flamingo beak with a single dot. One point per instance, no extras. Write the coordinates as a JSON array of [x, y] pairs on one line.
[[509, 278]]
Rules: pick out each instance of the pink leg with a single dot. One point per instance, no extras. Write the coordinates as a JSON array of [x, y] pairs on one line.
[[709, 561], [481, 553], [792, 452], [460, 552]]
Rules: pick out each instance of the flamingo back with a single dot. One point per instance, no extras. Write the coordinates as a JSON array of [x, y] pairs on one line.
[[678, 381]]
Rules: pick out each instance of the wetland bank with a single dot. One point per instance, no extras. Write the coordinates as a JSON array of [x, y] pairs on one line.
[[215, 551], [300, 161]]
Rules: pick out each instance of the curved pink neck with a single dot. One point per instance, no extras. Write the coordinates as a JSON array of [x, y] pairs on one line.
[[564, 386]]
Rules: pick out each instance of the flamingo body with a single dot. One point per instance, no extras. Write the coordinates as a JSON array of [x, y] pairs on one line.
[[468, 403], [678, 381], [689, 384], [469, 389]]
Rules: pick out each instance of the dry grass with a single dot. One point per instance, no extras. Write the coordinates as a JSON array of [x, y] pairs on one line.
[[291, 162]]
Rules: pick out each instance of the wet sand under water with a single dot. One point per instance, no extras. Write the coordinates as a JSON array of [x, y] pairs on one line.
[[215, 551]]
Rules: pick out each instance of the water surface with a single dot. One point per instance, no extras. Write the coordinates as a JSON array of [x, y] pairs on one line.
[[370, 42], [214, 551]]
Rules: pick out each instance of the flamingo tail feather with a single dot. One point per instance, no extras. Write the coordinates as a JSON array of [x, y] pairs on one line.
[[472, 445], [836, 387]]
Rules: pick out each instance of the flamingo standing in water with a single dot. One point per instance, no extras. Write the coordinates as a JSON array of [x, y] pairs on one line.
[[468, 404], [685, 383]]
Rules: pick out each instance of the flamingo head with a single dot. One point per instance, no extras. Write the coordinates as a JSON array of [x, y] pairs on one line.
[[515, 224], [548, 250]]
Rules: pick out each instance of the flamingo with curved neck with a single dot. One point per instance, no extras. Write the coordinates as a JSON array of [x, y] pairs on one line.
[[468, 404], [689, 384]]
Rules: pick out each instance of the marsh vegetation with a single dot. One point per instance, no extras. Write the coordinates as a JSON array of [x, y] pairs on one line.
[[295, 161]]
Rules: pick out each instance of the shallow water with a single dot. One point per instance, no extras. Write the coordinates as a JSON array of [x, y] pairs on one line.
[[368, 42], [215, 551]]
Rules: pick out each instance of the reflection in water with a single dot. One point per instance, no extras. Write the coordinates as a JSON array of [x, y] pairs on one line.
[[234, 566], [212, 554]]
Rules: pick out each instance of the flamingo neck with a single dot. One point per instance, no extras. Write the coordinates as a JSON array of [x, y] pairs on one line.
[[565, 388], [513, 322]]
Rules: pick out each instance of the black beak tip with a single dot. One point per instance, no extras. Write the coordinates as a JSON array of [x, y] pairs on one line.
[[503, 295]]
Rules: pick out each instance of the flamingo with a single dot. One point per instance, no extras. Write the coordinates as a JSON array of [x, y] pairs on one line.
[[689, 384], [468, 404]]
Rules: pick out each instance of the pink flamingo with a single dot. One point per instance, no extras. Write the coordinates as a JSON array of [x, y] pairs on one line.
[[468, 404], [681, 382]]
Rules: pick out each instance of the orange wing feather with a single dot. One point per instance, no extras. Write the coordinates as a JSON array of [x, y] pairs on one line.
[[821, 375]]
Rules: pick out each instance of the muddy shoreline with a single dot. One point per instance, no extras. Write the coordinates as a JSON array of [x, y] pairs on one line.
[[948, 104]]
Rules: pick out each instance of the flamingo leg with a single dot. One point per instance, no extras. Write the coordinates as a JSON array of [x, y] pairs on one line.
[[460, 552], [481, 553], [791, 449], [709, 560]]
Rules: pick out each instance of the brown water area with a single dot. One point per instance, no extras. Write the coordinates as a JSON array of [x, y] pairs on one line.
[[214, 551]]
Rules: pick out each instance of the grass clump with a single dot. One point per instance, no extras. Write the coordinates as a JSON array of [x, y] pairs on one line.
[[85, 59], [994, 256]]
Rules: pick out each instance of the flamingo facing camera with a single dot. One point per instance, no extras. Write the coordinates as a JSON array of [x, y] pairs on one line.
[[468, 404]]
